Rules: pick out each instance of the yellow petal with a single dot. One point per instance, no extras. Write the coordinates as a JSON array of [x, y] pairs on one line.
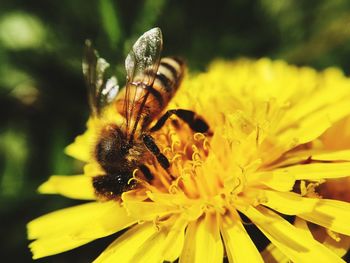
[[339, 246], [318, 92], [92, 169], [312, 126], [309, 130], [272, 254], [288, 203], [239, 247], [138, 194], [202, 241], [338, 136], [302, 225], [343, 155], [272, 180], [56, 244], [142, 243], [75, 186], [170, 199], [150, 251], [174, 241], [68, 228], [81, 147], [314, 171], [148, 211], [293, 242], [295, 157], [332, 214], [189, 248], [192, 208]]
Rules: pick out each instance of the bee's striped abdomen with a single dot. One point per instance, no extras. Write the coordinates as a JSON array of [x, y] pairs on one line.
[[168, 79], [166, 82]]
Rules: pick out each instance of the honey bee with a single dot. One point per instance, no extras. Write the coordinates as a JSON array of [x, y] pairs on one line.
[[151, 82]]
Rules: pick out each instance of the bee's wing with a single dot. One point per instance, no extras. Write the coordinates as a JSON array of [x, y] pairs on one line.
[[100, 91], [141, 66]]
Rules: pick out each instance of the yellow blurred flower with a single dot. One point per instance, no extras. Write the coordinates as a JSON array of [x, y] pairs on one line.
[[267, 120]]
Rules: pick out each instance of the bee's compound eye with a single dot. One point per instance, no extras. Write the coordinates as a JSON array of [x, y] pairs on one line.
[[112, 186], [108, 148]]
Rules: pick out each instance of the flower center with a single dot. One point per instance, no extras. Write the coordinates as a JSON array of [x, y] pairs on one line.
[[195, 171]]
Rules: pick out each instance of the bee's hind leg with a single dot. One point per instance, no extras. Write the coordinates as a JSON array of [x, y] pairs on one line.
[[153, 148], [146, 172], [193, 120]]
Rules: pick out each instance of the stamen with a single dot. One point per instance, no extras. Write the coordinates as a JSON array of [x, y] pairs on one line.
[[176, 157], [157, 223], [233, 192], [335, 236], [135, 178], [206, 145], [174, 188], [167, 150], [198, 136]]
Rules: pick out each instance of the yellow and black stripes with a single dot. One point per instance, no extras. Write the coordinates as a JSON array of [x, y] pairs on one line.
[[168, 78]]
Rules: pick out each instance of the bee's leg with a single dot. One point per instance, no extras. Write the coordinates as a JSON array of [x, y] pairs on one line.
[[146, 172], [153, 148], [193, 120]]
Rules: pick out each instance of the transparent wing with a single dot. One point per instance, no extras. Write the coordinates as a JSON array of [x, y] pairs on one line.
[[143, 60], [141, 66], [101, 91]]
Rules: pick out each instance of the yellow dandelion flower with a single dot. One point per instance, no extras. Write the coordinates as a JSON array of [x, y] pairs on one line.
[[267, 119]]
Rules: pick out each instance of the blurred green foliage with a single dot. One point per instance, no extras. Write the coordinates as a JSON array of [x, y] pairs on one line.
[[43, 95]]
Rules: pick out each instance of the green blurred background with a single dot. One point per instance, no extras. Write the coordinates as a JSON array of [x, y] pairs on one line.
[[43, 96]]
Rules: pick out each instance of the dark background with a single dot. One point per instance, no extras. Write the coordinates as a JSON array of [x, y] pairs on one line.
[[43, 96]]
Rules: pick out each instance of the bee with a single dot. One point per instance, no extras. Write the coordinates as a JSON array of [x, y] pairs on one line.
[[151, 82]]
